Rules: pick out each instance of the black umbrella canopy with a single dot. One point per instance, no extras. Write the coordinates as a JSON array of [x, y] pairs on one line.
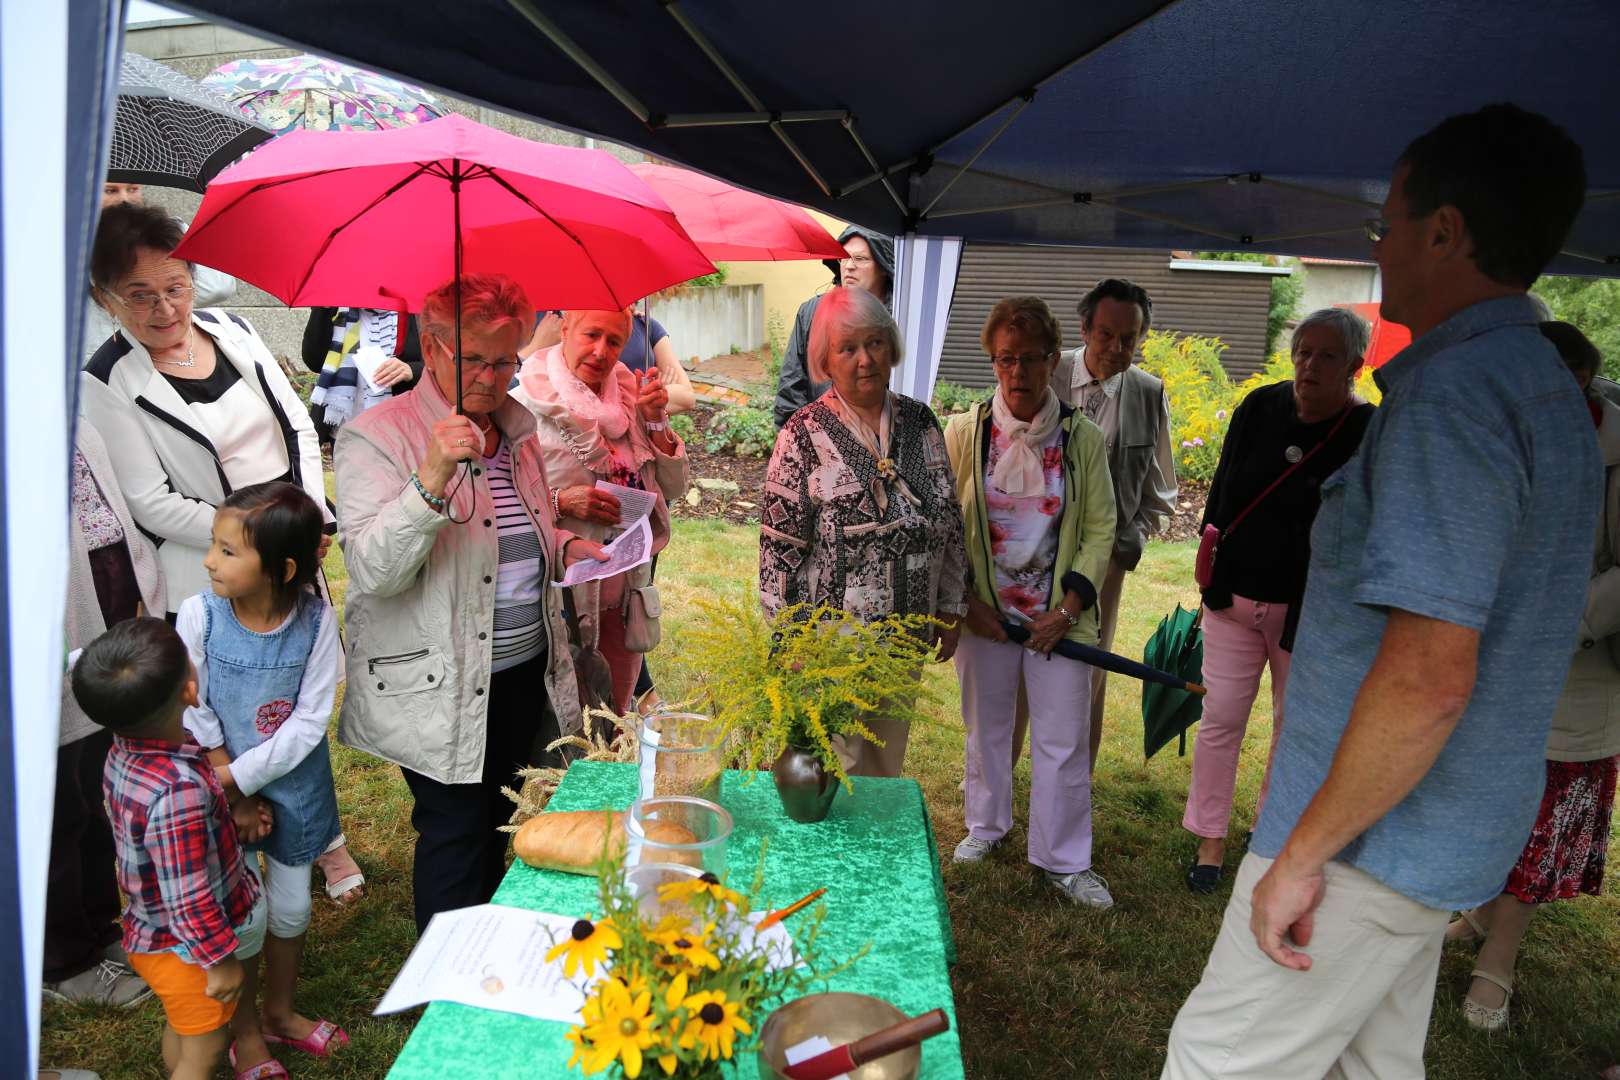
[[172, 131], [1270, 125]]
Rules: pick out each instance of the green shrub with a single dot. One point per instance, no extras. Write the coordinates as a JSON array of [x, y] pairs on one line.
[[709, 280], [683, 427], [745, 432], [1203, 397], [951, 398]]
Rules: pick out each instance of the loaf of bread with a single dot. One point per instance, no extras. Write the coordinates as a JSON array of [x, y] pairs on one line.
[[575, 841]]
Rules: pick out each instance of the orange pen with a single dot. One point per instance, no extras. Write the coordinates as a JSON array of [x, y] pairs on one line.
[[792, 909]]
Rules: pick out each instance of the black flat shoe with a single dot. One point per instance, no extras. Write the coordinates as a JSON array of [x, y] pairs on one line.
[[1203, 878]]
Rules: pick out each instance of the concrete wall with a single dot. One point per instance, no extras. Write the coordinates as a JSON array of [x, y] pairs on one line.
[[196, 48], [1329, 284], [785, 285], [714, 320]]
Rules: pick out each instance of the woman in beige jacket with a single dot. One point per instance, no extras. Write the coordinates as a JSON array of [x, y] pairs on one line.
[[601, 422], [1568, 846], [458, 660]]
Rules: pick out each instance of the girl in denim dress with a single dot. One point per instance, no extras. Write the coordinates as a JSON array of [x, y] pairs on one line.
[[265, 645]]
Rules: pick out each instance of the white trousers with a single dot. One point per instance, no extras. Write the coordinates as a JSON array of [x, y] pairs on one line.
[[1360, 1013], [1059, 694]]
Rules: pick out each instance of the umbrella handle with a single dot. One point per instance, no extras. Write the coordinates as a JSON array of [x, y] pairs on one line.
[[1196, 689]]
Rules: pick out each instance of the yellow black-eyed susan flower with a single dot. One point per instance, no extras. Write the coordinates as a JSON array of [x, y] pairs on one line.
[[713, 1023], [586, 945]]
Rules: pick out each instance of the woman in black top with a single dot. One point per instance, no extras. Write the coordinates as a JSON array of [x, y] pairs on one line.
[[1251, 605]]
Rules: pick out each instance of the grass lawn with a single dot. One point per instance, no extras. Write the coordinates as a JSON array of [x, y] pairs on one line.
[[1042, 989]]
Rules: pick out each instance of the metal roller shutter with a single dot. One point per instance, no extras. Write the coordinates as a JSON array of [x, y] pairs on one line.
[[1229, 305]]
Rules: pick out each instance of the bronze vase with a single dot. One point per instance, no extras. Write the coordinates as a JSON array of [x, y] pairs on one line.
[[804, 784]]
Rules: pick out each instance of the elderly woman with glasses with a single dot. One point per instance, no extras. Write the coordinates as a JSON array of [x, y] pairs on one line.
[[1282, 442], [860, 507], [1034, 491], [192, 406], [600, 422], [458, 659], [191, 403]]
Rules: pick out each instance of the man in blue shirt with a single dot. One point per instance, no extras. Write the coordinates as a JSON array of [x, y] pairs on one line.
[[1448, 573]]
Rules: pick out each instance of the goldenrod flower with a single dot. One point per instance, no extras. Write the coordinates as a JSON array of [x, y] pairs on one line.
[[624, 1031], [714, 1023], [586, 945]]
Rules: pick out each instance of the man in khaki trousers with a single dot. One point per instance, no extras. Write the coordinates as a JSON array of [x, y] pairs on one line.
[[1434, 638]]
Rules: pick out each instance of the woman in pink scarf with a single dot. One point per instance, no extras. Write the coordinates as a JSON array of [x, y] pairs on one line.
[[601, 423]]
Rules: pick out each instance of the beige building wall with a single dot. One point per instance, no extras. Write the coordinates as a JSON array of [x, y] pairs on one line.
[[786, 284]]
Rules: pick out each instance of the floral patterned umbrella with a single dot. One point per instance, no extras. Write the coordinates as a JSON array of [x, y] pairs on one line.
[[322, 95]]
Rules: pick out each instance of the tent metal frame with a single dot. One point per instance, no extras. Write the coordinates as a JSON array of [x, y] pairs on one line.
[[775, 120]]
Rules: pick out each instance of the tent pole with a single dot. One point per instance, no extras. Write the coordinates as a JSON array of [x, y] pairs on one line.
[[708, 49], [569, 48], [983, 146], [881, 174], [797, 116], [879, 171]]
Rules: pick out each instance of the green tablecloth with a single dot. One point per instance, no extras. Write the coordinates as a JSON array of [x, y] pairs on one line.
[[875, 855]]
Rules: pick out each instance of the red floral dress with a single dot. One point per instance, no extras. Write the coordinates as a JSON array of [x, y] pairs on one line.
[[1570, 842]]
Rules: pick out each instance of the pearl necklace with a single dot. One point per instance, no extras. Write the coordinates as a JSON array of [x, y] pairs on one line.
[[191, 356]]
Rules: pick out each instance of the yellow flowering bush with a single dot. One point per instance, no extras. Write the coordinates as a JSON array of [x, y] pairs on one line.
[[681, 991], [805, 676], [1203, 397]]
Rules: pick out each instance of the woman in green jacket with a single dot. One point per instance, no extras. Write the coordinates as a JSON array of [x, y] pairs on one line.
[[1038, 507]]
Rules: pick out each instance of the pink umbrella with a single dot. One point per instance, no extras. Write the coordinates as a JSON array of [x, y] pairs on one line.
[[729, 223], [380, 218]]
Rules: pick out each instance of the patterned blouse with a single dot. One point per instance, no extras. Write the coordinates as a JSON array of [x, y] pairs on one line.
[[1024, 531], [823, 538]]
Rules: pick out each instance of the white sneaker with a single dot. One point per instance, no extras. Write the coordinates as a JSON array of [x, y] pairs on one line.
[[972, 849], [1083, 887], [105, 984]]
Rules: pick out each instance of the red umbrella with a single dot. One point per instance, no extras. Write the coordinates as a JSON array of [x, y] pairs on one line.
[[380, 218], [734, 225], [1385, 338]]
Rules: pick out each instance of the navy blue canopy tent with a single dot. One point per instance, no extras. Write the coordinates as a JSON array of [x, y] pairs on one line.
[[1261, 125]]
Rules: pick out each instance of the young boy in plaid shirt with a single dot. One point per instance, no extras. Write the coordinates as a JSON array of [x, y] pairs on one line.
[[195, 909]]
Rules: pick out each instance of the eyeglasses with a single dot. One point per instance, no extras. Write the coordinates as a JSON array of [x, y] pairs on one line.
[[1376, 229], [148, 301], [857, 260], [474, 369], [1028, 362]]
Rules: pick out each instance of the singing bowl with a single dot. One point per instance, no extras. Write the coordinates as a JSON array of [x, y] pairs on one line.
[[842, 1018]]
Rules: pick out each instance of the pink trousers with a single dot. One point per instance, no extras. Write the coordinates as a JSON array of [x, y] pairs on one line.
[[1238, 644], [1059, 694]]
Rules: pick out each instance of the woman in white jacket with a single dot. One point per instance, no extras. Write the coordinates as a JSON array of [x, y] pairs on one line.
[[192, 406], [191, 403]]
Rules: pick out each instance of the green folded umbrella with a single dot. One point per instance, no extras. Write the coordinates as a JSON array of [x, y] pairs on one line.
[[1177, 646]]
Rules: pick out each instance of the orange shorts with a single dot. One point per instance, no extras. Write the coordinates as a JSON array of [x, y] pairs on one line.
[[182, 988]]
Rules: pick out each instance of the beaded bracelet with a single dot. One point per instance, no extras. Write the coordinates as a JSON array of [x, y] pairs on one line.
[[556, 511], [435, 501]]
